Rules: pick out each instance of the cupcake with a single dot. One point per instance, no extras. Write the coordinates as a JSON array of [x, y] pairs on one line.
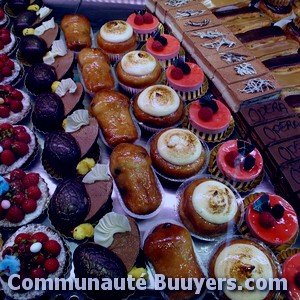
[[276, 9], [240, 163], [177, 153], [164, 47], [209, 119], [143, 23], [24, 197], [8, 41], [4, 20], [187, 79], [11, 71], [33, 251], [18, 147], [15, 104], [137, 70], [209, 208], [272, 220], [116, 38], [76, 201], [157, 107]]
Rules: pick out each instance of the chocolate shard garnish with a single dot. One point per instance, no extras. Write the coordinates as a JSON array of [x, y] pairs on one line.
[[140, 11], [205, 102], [219, 43], [249, 162], [277, 211], [155, 34], [177, 3], [257, 85], [245, 69], [197, 24], [188, 13], [231, 57], [211, 34], [262, 204], [244, 148], [162, 40]]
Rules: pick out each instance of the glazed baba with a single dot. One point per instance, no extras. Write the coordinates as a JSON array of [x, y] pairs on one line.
[[116, 38], [158, 106], [242, 259], [137, 70], [272, 219], [177, 153], [209, 208]]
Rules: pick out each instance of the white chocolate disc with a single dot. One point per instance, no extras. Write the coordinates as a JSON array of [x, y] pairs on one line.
[[117, 31]]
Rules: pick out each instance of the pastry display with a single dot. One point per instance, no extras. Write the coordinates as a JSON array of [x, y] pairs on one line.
[[157, 107], [38, 252], [95, 70], [11, 71], [112, 111], [170, 250], [77, 32], [24, 197], [137, 70], [276, 9], [177, 153], [116, 38], [19, 146], [292, 29], [272, 220], [15, 104], [242, 259], [76, 201], [209, 208], [130, 166], [7, 41]]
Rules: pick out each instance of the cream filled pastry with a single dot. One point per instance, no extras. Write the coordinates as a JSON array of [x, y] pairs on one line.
[[116, 31]]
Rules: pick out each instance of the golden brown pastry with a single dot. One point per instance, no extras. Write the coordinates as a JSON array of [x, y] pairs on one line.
[[130, 166], [95, 69], [112, 111], [77, 32], [170, 250]]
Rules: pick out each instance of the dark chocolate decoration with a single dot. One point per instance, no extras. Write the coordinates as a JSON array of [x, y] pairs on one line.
[[277, 211], [293, 100], [162, 40], [249, 163], [278, 9], [222, 13], [155, 34], [262, 204], [244, 148], [282, 61], [186, 69], [140, 11], [204, 102], [179, 63]]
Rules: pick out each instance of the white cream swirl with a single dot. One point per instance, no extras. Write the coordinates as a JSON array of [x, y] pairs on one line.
[[158, 100], [58, 48], [110, 224], [98, 172], [214, 202], [138, 63], [243, 261], [43, 12], [116, 31], [66, 86], [44, 27], [77, 119], [179, 146]]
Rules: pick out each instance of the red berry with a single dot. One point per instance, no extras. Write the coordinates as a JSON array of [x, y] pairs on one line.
[[52, 247], [37, 273], [148, 18], [8, 88], [18, 129], [16, 106], [6, 143], [10, 64], [19, 198], [4, 111], [31, 179], [1, 66], [1, 14], [22, 238], [34, 192], [23, 137], [231, 158], [15, 214], [20, 148], [266, 220], [17, 185], [138, 20], [176, 73], [8, 157], [6, 71], [39, 259], [6, 39], [4, 57], [29, 205], [51, 265], [17, 174], [40, 237], [157, 46], [1, 45], [16, 95], [6, 126], [205, 114]]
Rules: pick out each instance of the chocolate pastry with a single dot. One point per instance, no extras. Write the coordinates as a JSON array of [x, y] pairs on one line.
[[25, 19]]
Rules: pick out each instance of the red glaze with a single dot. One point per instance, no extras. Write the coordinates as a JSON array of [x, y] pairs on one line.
[[289, 270], [144, 28]]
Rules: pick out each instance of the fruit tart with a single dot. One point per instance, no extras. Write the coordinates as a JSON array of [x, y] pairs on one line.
[[33, 251], [24, 197], [15, 104], [18, 147], [7, 41], [11, 71], [4, 19]]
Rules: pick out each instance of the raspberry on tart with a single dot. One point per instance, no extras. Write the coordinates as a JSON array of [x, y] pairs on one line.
[[10, 70], [7, 41]]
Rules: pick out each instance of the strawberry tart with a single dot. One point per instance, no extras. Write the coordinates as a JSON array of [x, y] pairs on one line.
[[7, 41], [272, 220], [33, 251], [11, 71], [24, 198], [209, 119], [187, 79], [164, 47]]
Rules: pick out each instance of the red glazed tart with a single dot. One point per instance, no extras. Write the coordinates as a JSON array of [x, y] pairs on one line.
[[7, 41], [272, 219], [11, 70]]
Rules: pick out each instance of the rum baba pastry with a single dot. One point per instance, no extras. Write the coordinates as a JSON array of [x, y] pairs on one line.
[[112, 111], [209, 208], [177, 153]]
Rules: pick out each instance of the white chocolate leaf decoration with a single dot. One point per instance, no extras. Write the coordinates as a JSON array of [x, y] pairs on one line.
[[65, 86], [110, 224], [98, 172], [58, 48], [77, 119], [44, 27], [43, 12]]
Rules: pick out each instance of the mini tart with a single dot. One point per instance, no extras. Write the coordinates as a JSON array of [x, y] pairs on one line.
[[189, 86], [285, 229], [158, 106], [137, 70], [177, 153], [241, 259], [169, 52], [64, 259], [206, 215], [11, 46], [17, 74], [42, 204], [276, 9], [116, 38]]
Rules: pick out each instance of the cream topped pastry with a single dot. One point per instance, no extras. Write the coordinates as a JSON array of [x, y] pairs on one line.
[[116, 31]]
